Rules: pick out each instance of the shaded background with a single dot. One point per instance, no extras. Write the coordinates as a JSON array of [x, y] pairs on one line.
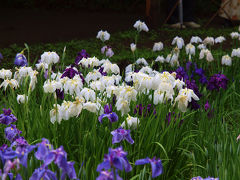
[[34, 21]]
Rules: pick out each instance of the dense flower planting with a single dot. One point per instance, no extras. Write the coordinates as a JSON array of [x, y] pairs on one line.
[[111, 120]]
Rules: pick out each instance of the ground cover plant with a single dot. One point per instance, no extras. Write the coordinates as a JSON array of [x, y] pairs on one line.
[[166, 112]]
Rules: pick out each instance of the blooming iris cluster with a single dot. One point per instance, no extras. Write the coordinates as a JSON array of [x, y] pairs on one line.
[[217, 81], [17, 154], [47, 154], [115, 159]]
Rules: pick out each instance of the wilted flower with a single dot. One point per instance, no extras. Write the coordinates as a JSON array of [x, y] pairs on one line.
[[112, 116], [158, 46], [133, 47], [103, 35], [121, 134], [140, 26], [7, 118], [156, 164], [20, 60]]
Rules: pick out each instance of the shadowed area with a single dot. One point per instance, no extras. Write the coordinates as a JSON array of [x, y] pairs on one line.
[[33, 26]]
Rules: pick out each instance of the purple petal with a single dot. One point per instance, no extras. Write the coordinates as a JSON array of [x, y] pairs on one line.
[[157, 168], [142, 161], [104, 165], [49, 158], [101, 117], [129, 138]]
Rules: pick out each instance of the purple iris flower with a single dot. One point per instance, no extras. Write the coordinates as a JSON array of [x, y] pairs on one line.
[[20, 60], [7, 118], [69, 72], [217, 81], [102, 72], [121, 134], [59, 156], [192, 85], [115, 158], [181, 74], [112, 116], [200, 73], [43, 173], [46, 153], [68, 169], [200, 178], [80, 55], [21, 152], [108, 50], [3, 148], [43, 149], [11, 133], [156, 164], [60, 94], [108, 175]]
